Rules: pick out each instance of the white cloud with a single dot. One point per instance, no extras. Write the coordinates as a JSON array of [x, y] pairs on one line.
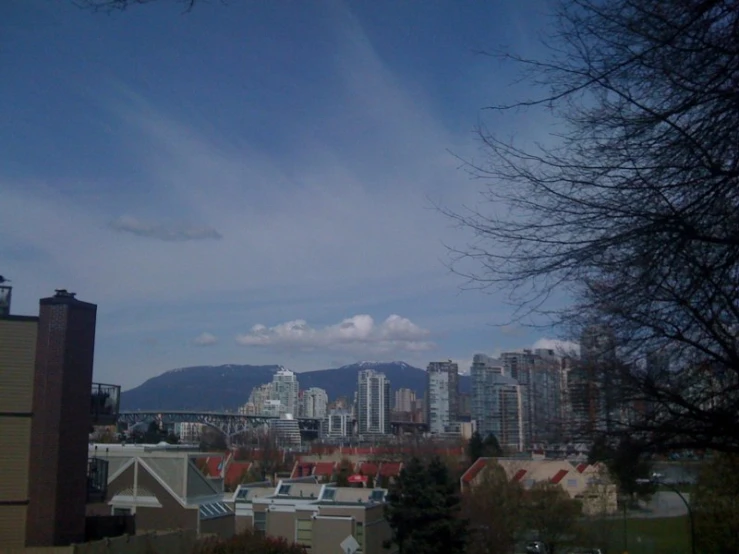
[[175, 232], [205, 339], [559, 346], [357, 333]]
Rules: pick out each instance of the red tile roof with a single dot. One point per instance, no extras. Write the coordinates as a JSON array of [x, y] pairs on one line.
[[581, 467], [519, 475], [474, 470], [324, 469], [214, 465], [559, 476], [390, 469], [302, 469], [234, 472], [368, 468]]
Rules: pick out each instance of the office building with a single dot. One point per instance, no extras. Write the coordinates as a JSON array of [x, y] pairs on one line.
[[314, 403], [442, 395], [373, 403]]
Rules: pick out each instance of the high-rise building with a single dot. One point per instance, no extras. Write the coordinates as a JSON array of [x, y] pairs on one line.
[[496, 406], [373, 403], [259, 396], [593, 383], [442, 395], [538, 372], [314, 403], [404, 399], [338, 423], [285, 388]]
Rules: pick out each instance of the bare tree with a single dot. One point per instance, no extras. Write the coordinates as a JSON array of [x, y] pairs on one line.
[[634, 211]]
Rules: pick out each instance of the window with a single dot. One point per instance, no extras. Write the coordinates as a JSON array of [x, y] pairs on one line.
[[260, 521], [572, 483], [242, 494], [359, 535], [377, 495], [121, 511], [304, 532], [329, 494], [284, 489]]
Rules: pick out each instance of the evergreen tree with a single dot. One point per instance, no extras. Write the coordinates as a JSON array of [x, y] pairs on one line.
[[423, 510], [491, 446], [475, 447]]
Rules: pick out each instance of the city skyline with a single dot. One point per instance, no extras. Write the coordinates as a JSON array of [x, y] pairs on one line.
[[262, 195]]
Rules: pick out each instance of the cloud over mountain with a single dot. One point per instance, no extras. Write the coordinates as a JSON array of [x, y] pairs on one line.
[[205, 339], [359, 332]]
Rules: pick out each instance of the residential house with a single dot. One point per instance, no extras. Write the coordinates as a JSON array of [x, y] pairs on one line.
[[588, 483], [317, 515], [164, 490]]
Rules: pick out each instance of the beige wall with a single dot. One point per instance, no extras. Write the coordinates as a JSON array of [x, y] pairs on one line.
[[328, 534], [281, 524], [17, 363], [224, 527], [243, 523]]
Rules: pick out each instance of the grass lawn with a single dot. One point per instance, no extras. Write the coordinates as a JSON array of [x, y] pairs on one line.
[[651, 536]]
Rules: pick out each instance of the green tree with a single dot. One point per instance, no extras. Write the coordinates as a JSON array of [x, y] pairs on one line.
[[475, 447], [549, 510], [493, 510], [627, 464], [423, 510], [491, 446], [716, 505]]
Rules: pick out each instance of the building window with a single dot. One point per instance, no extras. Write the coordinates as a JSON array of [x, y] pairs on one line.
[[304, 532], [260, 521], [284, 489], [572, 483], [359, 535], [329, 494], [242, 495], [121, 511]]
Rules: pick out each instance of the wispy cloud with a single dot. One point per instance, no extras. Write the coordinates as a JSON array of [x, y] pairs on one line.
[[175, 232], [205, 339], [560, 347], [360, 333]]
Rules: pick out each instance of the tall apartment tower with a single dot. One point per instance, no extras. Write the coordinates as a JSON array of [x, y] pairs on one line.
[[496, 403], [285, 388], [314, 403], [539, 373], [404, 400], [61, 421], [373, 403], [442, 395]]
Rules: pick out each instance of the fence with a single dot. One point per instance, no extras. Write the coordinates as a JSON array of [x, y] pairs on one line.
[[164, 542]]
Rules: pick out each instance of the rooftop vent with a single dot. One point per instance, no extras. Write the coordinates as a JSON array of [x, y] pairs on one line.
[[64, 293]]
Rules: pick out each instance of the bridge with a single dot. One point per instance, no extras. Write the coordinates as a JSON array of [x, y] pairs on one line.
[[231, 424]]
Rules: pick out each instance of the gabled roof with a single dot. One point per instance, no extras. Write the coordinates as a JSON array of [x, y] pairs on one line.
[[559, 476], [519, 475], [581, 467], [324, 469], [234, 472], [390, 469], [474, 470], [368, 468]]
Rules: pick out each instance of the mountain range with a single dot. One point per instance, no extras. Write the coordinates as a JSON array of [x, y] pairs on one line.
[[226, 387]]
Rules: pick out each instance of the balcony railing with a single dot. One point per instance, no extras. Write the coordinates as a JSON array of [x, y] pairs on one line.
[[104, 404], [97, 479]]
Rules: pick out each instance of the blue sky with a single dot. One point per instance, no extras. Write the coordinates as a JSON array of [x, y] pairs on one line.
[[253, 182]]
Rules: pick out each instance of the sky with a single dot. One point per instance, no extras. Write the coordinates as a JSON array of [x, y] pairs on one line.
[[256, 182]]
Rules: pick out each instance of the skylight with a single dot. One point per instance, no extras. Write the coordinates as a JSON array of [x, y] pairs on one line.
[[329, 494], [284, 489], [242, 494]]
